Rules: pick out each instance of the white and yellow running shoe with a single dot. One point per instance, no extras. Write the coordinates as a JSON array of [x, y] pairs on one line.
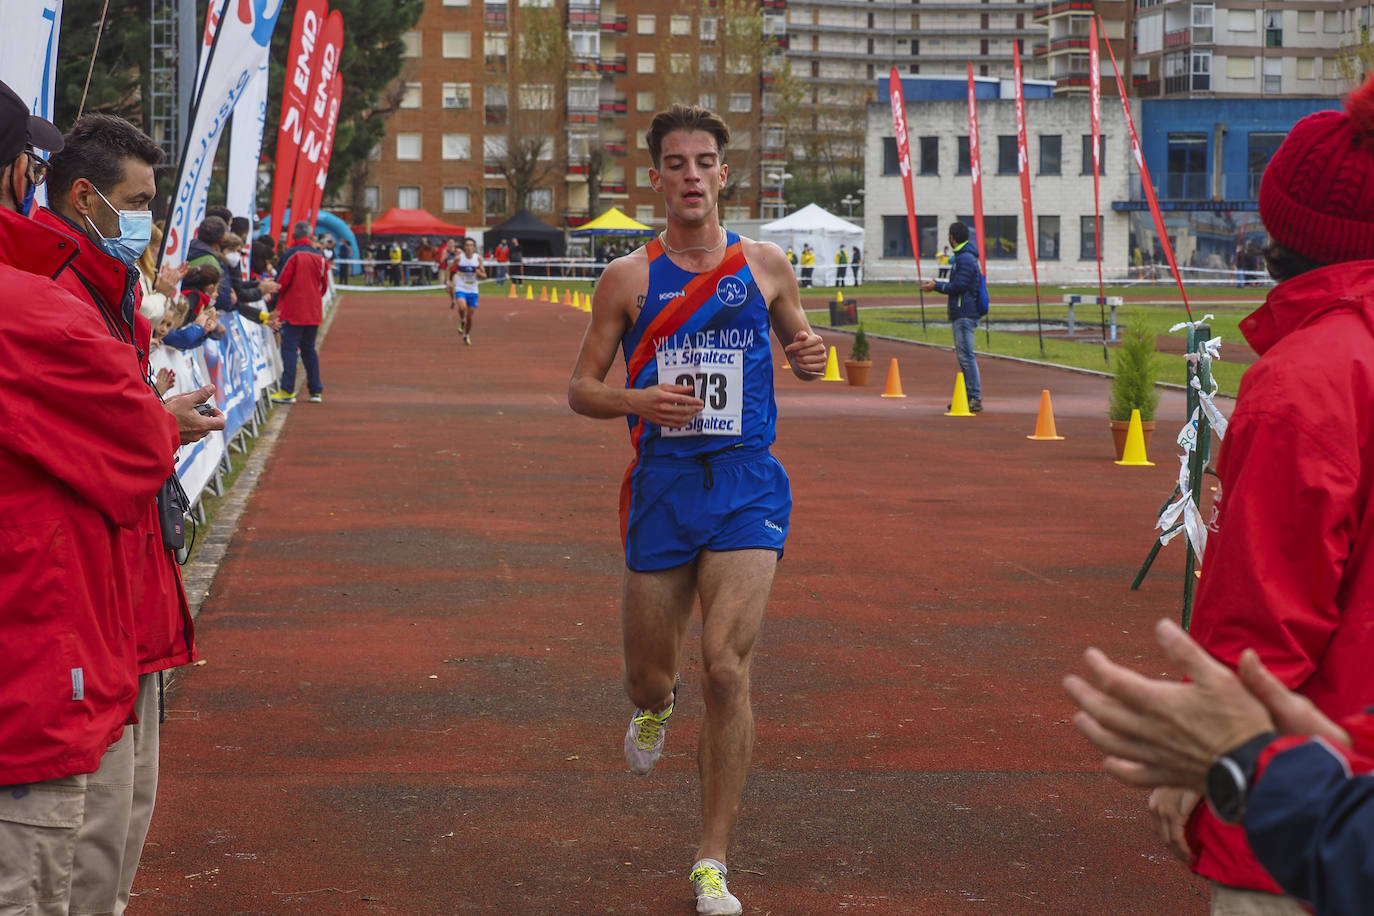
[[713, 897], [644, 737]]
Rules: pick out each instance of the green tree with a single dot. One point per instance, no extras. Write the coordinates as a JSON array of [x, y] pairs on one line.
[[119, 80]]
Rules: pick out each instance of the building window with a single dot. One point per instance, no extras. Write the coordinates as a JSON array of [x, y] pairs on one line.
[[585, 45], [707, 63], [707, 29], [494, 148], [891, 165], [1273, 73], [679, 63], [642, 177], [372, 198], [457, 2], [741, 101], [680, 25], [1006, 154], [1240, 68], [494, 201], [1087, 240], [413, 96], [456, 200], [458, 44], [541, 200], [582, 96], [962, 156], [644, 101], [408, 147], [1307, 69], [457, 146], [1307, 21], [644, 25], [1001, 233], [495, 104], [536, 96], [1273, 29], [1088, 154], [494, 48], [644, 62], [930, 155], [410, 44], [408, 197], [1261, 147], [1202, 71], [707, 100], [1202, 23], [644, 212], [1047, 237], [1240, 20], [457, 95], [1331, 23], [1187, 175], [928, 230], [896, 237], [1051, 154]]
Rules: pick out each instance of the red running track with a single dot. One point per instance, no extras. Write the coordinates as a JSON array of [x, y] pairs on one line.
[[412, 703]]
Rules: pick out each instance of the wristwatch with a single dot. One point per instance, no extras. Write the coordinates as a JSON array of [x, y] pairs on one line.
[[1232, 775]]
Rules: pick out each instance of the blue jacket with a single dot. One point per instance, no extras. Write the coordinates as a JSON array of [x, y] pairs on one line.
[[1311, 824], [186, 337], [962, 285]]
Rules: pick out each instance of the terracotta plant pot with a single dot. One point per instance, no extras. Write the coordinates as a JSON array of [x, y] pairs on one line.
[[1121, 427], [857, 372]]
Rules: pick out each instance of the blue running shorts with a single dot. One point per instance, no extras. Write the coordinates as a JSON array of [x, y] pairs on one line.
[[469, 298], [671, 509]]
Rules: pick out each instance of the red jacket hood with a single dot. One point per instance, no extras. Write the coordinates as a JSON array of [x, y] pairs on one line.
[[28, 245], [1297, 302]]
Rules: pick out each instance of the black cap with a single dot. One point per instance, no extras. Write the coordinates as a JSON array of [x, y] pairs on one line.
[[19, 129]]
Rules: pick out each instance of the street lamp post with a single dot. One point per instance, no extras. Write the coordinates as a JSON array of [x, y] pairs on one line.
[[849, 200], [780, 178]]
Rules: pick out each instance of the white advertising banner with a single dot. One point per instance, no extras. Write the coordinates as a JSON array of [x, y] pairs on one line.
[[196, 463], [245, 145], [230, 62], [28, 55]]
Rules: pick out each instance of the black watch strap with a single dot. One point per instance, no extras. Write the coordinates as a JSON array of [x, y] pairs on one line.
[[1232, 775]]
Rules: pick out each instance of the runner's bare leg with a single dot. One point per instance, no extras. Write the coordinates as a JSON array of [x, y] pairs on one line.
[[734, 588], [656, 607]]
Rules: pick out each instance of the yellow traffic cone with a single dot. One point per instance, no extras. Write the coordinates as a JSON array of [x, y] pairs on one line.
[[1044, 422], [832, 368], [894, 381], [577, 300], [958, 405], [1134, 453], [529, 293], [586, 302]]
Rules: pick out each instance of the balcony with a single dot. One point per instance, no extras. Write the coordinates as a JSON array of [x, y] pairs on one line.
[[496, 17], [1062, 44], [616, 149], [1178, 39], [1044, 11], [495, 114], [495, 63], [613, 65], [492, 170], [619, 24], [1069, 80], [613, 188], [613, 107], [772, 4], [1186, 186]]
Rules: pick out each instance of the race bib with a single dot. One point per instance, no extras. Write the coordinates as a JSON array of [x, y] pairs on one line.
[[717, 377]]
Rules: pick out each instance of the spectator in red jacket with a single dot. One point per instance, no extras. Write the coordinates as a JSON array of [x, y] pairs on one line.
[[1289, 563], [304, 281], [84, 449], [99, 189]]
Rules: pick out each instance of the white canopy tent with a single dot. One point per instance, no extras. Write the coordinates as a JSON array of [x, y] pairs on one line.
[[824, 231]]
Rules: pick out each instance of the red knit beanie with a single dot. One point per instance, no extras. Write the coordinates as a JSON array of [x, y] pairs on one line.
[[1317, 194]]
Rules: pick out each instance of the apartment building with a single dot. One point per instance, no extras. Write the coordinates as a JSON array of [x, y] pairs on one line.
[[1246, 49], [1063, 47], [469, 97]]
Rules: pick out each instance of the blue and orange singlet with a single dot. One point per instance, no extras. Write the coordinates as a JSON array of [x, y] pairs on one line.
[[710, 331]]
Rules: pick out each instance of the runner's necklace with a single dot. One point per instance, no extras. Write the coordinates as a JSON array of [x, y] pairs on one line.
[[662, 240]]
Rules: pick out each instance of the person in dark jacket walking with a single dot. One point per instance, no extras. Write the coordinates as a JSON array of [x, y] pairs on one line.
[[304, 282], [962, 287]]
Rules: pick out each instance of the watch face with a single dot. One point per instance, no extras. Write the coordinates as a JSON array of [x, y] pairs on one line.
[[1226, 790]]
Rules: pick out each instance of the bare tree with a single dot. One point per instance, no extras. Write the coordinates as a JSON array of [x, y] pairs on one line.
[[361, 170], [537, 102]]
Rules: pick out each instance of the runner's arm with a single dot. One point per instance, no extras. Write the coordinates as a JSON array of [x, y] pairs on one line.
[[588, 393], [805, 349]]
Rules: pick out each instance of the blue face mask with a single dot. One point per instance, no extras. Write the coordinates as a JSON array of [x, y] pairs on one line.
[[135, 232]]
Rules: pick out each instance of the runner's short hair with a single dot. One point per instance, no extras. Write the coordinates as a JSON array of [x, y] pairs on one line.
[[685, 117], [95, 149], [958, 232]]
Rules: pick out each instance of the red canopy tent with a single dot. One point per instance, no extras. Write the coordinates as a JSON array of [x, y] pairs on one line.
[[398, 221]]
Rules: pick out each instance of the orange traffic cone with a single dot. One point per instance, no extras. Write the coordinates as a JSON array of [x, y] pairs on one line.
[[543, 294], [567, 297], [894, 381], [1044, 423], [1134, 453], [513, 293]]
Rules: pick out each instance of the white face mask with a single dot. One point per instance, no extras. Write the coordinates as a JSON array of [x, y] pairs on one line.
[[232, 258]]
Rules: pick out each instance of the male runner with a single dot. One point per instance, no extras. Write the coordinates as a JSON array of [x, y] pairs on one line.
[[704, 505], [465, 270]]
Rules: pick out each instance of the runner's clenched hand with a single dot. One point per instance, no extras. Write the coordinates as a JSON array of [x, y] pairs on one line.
[[671, 406], [807, 353]]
